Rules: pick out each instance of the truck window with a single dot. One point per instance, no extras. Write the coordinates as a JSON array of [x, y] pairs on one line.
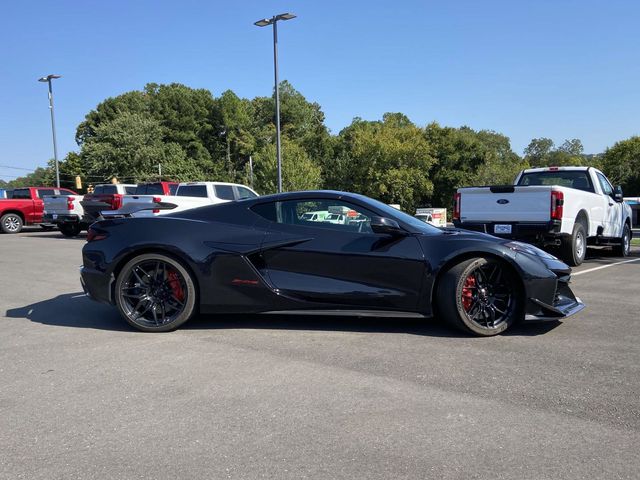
[[141, 190], [192, 191], [173, 188], [607, 189], [225, 192], [105, 190], [22, 194], [149, 189], [577, 179], [245, 193], [43, 192], [130, 190]]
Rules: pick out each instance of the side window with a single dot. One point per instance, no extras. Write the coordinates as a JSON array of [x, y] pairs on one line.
[[43, 192], [173, 188], [607, 189], [192, 191], [245, 193], [64, 193], [22, 194], [224, 192], [327, 214]]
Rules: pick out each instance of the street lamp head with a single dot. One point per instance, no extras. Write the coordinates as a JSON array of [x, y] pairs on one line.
[[264, 22], [48, 77], [269, 21], [285, 16]]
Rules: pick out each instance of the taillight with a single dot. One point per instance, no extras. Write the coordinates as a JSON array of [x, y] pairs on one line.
[[69, 203], [156, 200], [456, 206], [93, 235], [557, 202], [117, 201]]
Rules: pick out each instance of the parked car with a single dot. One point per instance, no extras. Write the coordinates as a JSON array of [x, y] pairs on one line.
[[569, 207], [67, 213], [104, 197], [259, 256], [147, 193], [188, 195], [25, 207]]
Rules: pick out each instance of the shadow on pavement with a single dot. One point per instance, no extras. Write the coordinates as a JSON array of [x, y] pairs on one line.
[[78, 311]]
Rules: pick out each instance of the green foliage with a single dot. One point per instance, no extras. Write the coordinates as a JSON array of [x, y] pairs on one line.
[[541, 152], [299, 172], [466, 157], [621, 163], [388, 160]]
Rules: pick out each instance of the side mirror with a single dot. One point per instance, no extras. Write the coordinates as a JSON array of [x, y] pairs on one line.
[[617, 194], [385, 225]]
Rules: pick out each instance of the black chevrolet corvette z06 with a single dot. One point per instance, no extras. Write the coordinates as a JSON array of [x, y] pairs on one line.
[[318, 252]]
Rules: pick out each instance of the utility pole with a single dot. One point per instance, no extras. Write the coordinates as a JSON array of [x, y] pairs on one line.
[[48, 79]]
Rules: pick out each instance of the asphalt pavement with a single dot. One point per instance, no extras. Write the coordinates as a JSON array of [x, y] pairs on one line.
[[82, 395]]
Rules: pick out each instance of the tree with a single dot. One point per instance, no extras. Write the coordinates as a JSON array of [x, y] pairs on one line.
[[388, 160], [538, 151], [129, 148], [298, 171], [621, 163], [466, 157]]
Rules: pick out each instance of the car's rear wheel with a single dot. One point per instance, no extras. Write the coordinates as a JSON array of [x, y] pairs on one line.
[[624, 248], [574, 248], [11, 223], [155, 293], [480, 296], [70, 229]]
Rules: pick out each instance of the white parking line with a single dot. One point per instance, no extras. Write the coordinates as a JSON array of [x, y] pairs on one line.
[[605, 266]]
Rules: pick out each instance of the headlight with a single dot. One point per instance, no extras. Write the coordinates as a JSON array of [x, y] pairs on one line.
[[530, 249]]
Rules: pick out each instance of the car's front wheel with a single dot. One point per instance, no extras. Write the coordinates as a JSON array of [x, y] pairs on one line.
[[480, 296], [624, 248], [155, 293]]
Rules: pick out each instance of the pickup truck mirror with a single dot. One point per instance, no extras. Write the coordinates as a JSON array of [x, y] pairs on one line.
[[617, 194], [385, 225]]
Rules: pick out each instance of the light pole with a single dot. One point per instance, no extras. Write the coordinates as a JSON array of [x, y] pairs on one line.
[[263, 23], [48, 79]]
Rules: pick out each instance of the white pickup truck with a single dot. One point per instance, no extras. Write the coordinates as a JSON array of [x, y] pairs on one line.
[[188, 195], [66, 212], [568, 207]]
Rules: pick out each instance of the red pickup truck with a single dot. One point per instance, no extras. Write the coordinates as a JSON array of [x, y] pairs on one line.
[[25, 207]]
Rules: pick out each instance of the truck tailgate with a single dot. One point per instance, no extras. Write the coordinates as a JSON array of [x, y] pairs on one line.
[[57, 204], [505, 204]]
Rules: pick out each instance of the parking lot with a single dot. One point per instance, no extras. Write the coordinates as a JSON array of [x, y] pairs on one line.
[[82, 395]]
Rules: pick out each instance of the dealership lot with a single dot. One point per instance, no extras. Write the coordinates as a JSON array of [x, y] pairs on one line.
[[82, 395]]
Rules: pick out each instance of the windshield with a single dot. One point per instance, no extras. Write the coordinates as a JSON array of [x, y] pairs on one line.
[[405, 218]]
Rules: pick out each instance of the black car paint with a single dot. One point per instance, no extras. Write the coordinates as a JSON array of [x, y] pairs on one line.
[[243, 262]]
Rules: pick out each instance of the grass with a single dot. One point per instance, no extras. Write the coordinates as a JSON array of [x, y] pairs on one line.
[[635, 241]]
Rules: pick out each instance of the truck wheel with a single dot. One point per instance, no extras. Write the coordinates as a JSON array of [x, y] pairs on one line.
[[480, 296], [69, 229], [574, 248], [624, 248], [11, 223]]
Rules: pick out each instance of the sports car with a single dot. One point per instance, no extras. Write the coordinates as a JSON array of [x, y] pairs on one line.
[[264, 255]]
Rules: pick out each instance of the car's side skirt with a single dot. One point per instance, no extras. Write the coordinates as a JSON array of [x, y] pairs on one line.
[[349, 313]]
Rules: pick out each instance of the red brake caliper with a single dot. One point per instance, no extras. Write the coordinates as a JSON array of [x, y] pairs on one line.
[[467, 293], [176, 288]]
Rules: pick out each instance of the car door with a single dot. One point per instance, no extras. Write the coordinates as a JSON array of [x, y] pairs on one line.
[[613, 209], [339, 264]]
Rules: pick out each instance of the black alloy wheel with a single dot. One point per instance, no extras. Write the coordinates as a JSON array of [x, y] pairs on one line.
[[481, 296], [155, 293]]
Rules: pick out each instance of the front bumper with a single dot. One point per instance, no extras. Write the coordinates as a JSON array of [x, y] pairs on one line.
[[563, 305]]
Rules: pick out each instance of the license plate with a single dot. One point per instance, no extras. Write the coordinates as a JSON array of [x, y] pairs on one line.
[[54, 216], [502, 229]]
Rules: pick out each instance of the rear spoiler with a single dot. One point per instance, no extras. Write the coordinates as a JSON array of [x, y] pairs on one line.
[[129, 210]]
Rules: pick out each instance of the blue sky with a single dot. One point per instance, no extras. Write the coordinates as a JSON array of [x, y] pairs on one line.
[[554, 68]]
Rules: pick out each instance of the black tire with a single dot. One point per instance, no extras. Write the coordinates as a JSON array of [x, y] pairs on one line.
[[574, 249], [70, 229], [152, 282], [11, 223], [624, 248], [474, 308]]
